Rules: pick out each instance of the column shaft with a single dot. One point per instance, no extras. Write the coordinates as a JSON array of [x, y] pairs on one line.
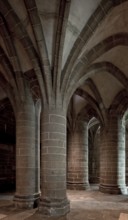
[[27, 192], [37, 147], [112, 157], [53, 163], [78, 157]]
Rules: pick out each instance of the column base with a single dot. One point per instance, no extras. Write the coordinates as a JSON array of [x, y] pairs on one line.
[[54, 208], [113, 189], [26, 202], [78, 186]]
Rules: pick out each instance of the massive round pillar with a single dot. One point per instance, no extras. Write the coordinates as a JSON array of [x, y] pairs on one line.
[[27, 190], [78, 157], [53, 163], [112, 157]]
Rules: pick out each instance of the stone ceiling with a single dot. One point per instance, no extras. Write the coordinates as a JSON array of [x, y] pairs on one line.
[[82, 47]]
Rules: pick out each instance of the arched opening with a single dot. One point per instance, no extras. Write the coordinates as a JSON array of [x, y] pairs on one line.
[[83, 160]]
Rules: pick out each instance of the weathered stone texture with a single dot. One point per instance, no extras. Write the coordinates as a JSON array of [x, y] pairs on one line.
[[78, 157], [112, 157], [27, 192], [53, 159]]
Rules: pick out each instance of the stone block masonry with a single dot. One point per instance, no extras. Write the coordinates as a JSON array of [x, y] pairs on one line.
[[112, 157], [78, 157], [53, 159]]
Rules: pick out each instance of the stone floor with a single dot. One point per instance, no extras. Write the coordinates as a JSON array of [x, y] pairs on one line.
[[85, 205]]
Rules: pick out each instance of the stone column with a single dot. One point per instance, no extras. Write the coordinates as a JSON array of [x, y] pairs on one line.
[[53, 163], [27, 192], [94, 155], [112, 157], [126, 151], [78, 157], [37, 148]]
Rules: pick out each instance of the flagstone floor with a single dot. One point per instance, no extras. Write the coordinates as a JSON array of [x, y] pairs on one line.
[[85, 205]]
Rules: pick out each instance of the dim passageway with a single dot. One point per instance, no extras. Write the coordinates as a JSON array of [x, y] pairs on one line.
[[64, 109]]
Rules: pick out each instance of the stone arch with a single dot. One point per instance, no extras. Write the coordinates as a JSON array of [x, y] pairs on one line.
[[92, 103], [120, 104], [97, 17], [17, 30], [88, 70], [79, 73]]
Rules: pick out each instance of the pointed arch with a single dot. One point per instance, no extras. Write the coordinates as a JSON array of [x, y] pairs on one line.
[[92, 102], [17, 29], [87, 32], [9, 43], [94, 89], [120, 104], [41, 44], [104, 66], [9, 71], [87, 113], [80, 72], [59, 43]]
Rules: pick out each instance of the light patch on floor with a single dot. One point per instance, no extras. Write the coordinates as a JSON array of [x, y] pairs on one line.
[[21, 216], [2, 216], [123, 216]]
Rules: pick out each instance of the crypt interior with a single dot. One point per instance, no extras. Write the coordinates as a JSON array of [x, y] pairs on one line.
[[64, 109]]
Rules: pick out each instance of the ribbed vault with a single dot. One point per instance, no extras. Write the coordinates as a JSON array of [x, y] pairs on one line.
[[57, 49]]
